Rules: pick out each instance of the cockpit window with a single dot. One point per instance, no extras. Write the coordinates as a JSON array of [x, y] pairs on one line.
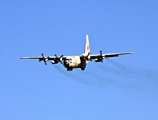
[[70, 60]]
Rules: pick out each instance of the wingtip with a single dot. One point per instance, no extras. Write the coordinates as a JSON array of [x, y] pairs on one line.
[[23, 58]]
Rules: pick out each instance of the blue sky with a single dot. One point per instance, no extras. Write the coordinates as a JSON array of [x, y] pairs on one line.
[[118, 89]]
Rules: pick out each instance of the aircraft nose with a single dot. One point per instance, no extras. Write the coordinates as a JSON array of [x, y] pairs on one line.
[[66, 64]]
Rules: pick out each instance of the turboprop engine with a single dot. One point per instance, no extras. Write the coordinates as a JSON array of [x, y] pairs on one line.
[[54, 62], [100, 58], [57, 59]]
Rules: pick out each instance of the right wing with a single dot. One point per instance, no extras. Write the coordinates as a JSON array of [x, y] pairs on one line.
[[31, 57], [41, 58], [55, 58]]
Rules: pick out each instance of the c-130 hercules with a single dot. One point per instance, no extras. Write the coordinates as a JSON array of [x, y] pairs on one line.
[[79, 61]]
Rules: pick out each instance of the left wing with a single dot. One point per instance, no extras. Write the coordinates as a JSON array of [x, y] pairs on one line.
[[100, 57], [108, 55]]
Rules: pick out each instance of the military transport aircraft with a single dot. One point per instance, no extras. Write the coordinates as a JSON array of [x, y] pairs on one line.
[[79, 61]]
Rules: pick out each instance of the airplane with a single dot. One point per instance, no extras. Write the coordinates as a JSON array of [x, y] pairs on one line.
[[78, 61]]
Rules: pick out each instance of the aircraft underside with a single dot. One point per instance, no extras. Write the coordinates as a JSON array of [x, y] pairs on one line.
[[82, 66]]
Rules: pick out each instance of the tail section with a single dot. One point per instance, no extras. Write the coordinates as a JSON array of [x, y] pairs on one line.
[[87, 48]]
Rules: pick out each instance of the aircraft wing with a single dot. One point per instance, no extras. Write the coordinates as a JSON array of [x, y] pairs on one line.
[[41, 58], [31, 57], [55, 58], [108, 55]]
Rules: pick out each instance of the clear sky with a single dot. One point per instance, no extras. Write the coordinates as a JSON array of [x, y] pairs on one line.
[[121, 88]]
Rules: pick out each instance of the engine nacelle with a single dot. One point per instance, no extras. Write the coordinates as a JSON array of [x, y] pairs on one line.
[[97, 60], [46, 59], [54, 62]]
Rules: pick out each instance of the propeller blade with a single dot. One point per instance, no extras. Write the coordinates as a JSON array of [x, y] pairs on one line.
[[60, 59], [101, 56], [101, 53], [61, 56], [40, 60]]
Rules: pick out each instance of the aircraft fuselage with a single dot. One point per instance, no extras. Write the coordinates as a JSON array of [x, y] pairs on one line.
[[74, 62]]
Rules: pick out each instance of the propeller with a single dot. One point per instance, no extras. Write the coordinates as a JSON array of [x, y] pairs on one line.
[[86, 57], [58, 59], [45, 59]]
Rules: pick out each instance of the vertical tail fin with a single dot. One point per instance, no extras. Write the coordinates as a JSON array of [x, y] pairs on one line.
[[87, 48]]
